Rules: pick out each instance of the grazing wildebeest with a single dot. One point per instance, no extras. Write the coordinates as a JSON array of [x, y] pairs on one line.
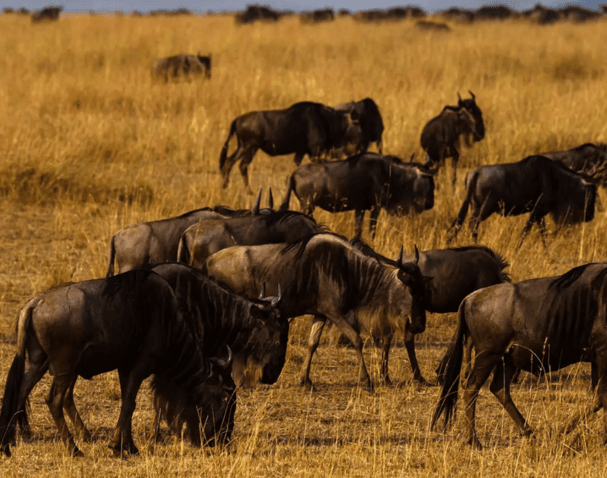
[[535, 185], [132, 323], [303, 128], [538, 325], [325, 276], [364, 182], [367, 114], [455, 273], [441, 135], [182, 65], [205, 238], [432, 26], [588, 158], [46, 14], [141, 244], [251, 328]]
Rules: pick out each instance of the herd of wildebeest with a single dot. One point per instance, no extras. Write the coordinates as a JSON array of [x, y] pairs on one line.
[[205, 299]]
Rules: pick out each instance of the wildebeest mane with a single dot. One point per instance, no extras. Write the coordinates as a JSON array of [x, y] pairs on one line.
[[499, 259], [564, 281], [132, 283]]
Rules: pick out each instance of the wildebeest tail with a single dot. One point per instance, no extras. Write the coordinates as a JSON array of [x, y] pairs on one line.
[[447, 402], [110, 268], [10, 402], [224, 151]]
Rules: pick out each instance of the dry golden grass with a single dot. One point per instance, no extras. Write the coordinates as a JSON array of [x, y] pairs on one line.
[[89, 144]]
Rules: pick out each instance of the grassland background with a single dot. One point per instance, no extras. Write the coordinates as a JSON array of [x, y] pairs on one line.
[[89, 144]]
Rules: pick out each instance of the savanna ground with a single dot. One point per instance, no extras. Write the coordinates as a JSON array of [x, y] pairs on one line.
[[89, 144]]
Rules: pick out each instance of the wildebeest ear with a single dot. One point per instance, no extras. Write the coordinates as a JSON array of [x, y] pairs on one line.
[[257, 312], [271, 201], [255, 209], [399, 259]]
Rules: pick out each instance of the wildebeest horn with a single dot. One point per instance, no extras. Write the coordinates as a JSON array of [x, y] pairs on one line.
[[411, 158], [276, 300], [472, 94], [255, 210], [262, 294], [271, 201], [399, 259], [285, 203], [459, 98], [416, 255], [225, 364]]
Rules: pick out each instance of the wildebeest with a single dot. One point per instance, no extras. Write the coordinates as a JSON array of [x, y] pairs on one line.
[[588, 158], [254, 13], [206, 237], [455, 273], [132, 323], [364, 182], [495, 12], [182, 65], [141, 244], [534, 185], [440, 137], [538, 325], [366, 113], [46, 14], [325, 276], [317, 16], [432, 26], [303, 128]]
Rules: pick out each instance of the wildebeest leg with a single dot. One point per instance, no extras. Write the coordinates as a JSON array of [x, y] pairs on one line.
[[483, 365], [130, 381], [318, 325], [500, 387], [38, 365], [410, 346], [247, 158], [298, 158], [229, 164], [62, 382], [454, 160], [385, 354], [532, 219], [359, 216], [79, 427], [373, 221], [349, 331], [544, 233]]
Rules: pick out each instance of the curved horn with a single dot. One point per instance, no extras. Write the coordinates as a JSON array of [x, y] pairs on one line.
[[285, 203], [472, 94], [271, 201], [255, 209], [416, 255], [262, 294], [459, 98], [225, 364], [411, 158], [399, 259], [276, 300]]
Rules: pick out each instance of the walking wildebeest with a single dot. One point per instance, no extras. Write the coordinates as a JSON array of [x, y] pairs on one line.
[[588, 158], [441, 135], [364, 182], [138, 245], [205, 238], [182, 65], [132, 323], [537, 325], [303, 128], [325, 276], [455, 273], [535, 185], [369, 118], [46, 14], [251, 328]]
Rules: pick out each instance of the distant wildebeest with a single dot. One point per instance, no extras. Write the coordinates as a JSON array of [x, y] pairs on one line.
[[455, 273], [361, 183], [303, 128], [206, 237], [432, 26], [46, 14], [132, 323], [254, 13], [182, 65], [317, 16], [141, 244], [458, 14], [541, 15], [538, 325], [535, 185], [440, 137], [495, 12], [366, 113], [588, 158], [251, 328], [325, 276]]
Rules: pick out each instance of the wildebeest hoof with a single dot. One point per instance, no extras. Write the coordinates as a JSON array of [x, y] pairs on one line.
[[76, 453], [308, 386], [86, 436], [125, 450]]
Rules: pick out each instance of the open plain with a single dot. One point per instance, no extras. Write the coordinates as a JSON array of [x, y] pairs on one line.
[[89, 143]]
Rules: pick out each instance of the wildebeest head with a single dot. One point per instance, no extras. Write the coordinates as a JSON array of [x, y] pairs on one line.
[[578, 201], [470, 105], [410, 275], [413, 191], [206, 62]]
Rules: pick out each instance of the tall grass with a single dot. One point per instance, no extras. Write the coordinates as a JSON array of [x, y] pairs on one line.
[[89, 144]]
